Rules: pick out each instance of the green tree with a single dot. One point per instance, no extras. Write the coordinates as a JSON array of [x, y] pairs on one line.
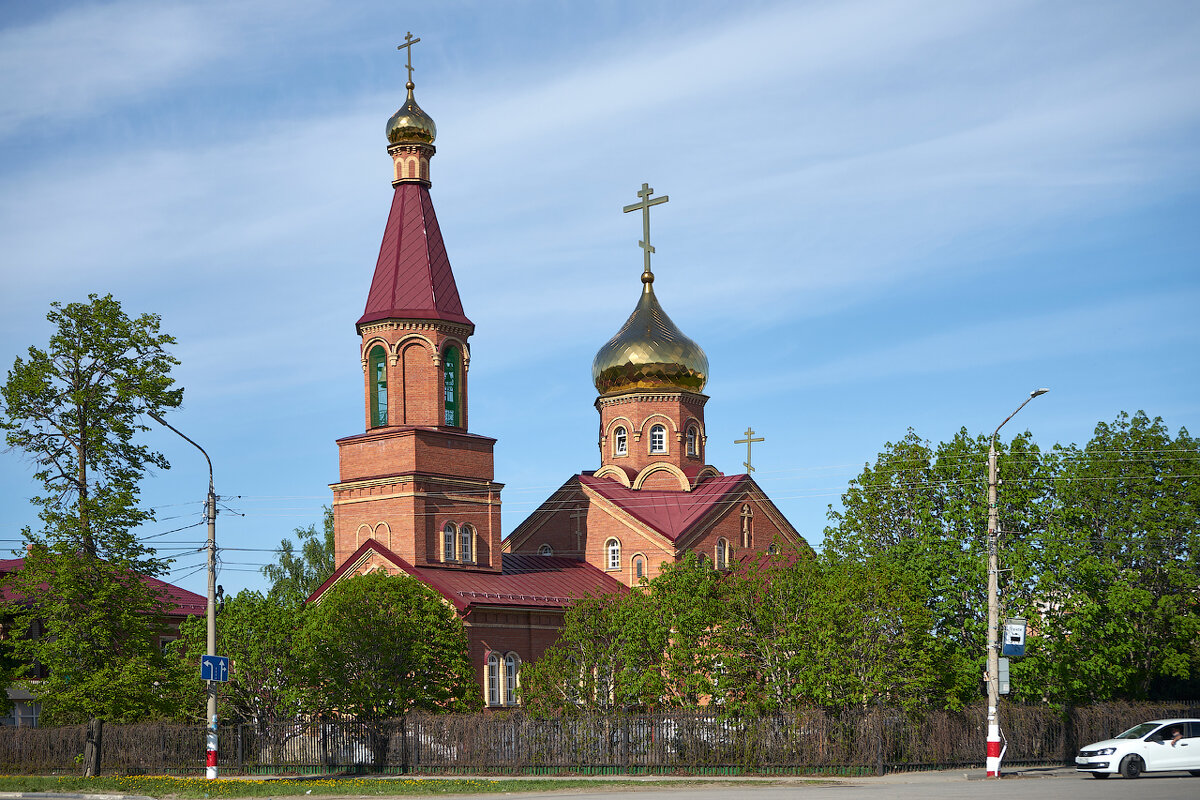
[[257, 634], [81, 607], [1116, 603], [608, 656], [379, 646], [296, 575], [924, 511], [99, 639]]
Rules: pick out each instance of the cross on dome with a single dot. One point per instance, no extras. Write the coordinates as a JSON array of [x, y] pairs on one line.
[[409, 41], [644, 205]]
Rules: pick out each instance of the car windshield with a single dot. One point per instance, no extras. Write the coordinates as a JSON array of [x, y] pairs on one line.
[[1137, 731]]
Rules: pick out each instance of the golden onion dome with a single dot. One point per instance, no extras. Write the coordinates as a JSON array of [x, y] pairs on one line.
[[411, 125], [649, 352]]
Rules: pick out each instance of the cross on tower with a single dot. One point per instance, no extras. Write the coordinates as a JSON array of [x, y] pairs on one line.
[[409, 41], [644, 205], [748, 441]]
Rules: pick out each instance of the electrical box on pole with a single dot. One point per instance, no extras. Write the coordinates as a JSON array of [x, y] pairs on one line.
[[1002, 676], [1013, 642]]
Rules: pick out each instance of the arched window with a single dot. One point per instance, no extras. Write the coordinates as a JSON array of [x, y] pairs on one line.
[[449, 535], [377, 375], [450, 380], [493, 679], [693, 441], [466, 536], [545, 550], [722, 554], [620, 441], [510, 679], [639, 568], [613, 550], [658, 439]]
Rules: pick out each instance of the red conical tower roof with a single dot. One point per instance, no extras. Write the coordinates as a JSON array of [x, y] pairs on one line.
[[413, 279]]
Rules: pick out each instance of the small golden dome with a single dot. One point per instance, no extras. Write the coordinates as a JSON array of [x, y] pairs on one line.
[[411, 125], [649, 352]]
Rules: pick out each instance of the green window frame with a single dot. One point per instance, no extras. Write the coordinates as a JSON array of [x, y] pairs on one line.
[[377, 375], [452, 384]]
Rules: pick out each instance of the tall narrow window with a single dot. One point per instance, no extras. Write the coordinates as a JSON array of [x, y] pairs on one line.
[[693, 437], [493, 679], [620, 441], [722, 554], [613, 549], [639, 568], [448, 542], [377, 373], [466, 535], [747, 526], [658, 439], [510, 679], [450, 379]]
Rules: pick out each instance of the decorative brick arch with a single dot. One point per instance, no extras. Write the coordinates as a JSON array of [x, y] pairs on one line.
[[404, 341], [662, 466], [649, 421], [616, 473], [463, 351], [371, 344]]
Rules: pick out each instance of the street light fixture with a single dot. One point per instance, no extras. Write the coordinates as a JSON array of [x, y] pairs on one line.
[[993, 580], [210, 511]]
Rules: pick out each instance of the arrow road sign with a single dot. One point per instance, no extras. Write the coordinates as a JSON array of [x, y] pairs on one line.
[[214, 668]]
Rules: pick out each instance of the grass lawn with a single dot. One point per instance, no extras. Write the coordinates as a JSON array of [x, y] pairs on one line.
[[286, 787]]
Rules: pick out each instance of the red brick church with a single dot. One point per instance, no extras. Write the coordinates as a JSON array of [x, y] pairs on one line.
[[417, 492]]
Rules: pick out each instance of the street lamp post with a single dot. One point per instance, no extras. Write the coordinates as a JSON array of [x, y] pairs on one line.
[[993, 590], [210, 512]]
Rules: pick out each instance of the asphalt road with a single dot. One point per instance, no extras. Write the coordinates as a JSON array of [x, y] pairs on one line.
[[1044, 785]]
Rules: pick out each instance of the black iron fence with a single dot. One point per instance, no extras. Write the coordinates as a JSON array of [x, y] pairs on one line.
[[850, 741]]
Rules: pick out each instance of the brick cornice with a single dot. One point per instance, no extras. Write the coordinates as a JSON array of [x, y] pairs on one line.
[[684, 398], [455, 329]]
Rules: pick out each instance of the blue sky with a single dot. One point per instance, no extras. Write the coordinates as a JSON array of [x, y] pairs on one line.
[[884, 214]]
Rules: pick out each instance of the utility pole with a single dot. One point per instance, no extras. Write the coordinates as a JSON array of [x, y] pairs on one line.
[[210, 512], [993, 592]]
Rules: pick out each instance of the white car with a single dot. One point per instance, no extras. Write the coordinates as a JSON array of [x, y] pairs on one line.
[[1158, 746]]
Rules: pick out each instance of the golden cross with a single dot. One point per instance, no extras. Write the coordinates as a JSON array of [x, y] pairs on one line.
[[748, 441], [409, 41], [644, 205]]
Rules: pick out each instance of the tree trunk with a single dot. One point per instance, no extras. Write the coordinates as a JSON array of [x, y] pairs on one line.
[[91, 748]]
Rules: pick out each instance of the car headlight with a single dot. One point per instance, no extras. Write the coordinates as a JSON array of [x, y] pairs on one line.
[[1105, 751]]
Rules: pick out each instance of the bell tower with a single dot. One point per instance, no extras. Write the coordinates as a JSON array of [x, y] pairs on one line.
[[416, 480]]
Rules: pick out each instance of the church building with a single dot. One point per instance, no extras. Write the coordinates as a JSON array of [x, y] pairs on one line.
[[417, 493]]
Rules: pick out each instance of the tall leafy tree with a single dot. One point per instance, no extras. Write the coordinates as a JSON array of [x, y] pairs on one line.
[[379, 646], [296, 574], [82, 609], [1116, 605], [257, 633], [76, 408], [924, 511], [607, 656]]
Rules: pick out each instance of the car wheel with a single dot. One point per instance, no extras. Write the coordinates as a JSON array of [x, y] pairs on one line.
[[1101, 775], [1131, 766]]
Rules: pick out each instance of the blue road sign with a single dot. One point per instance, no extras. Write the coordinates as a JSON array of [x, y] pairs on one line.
[[214, 668]]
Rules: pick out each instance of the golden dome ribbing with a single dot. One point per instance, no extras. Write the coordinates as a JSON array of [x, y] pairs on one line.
[[649, 352]]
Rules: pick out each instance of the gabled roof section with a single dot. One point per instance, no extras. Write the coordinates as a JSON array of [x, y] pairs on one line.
[[182, 602], [527, 580], [413, 279], [671, 513]]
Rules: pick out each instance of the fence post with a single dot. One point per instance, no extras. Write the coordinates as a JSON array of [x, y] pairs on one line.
[[91, 748], [403, 744]]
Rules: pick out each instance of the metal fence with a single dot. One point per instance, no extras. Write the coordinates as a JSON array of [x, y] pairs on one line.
[[849, 741]]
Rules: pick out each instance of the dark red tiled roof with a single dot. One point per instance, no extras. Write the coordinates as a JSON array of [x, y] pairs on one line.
[[671, 513], [413, 279], [527, 580], [183, 602]]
